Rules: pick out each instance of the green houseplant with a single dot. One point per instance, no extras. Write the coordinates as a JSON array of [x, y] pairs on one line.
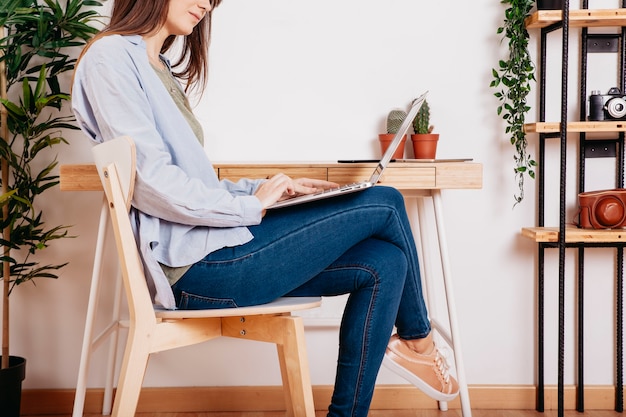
[[394, 120], [423, 139], [513, 80], [36, 38]]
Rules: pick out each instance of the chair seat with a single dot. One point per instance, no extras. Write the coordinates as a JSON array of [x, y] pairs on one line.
[[280, 305]]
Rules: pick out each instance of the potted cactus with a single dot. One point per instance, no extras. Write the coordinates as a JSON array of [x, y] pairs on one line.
[[394, 121], [424, 141]]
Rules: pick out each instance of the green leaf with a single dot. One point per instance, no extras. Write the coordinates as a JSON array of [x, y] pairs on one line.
[[27, 95], [36, 50], [13, 109], [41, 82]]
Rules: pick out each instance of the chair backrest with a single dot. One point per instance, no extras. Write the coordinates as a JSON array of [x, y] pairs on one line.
[[115, 161], [121, 152]]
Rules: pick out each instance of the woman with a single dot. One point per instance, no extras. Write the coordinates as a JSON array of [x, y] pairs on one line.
[[207, 243]]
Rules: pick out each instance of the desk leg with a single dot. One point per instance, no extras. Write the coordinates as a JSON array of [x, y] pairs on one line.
[[92, 306], [454, 328], [453, 338], [427, 284], [90, 344]]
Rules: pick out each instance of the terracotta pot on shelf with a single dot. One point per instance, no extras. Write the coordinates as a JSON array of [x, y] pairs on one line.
[[425, 145], [385, 140]]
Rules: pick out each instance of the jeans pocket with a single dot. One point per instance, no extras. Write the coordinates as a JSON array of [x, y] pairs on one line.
[[188, 301]]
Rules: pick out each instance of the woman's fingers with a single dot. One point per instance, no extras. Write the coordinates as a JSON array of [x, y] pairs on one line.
[[274, 189], [281, 187], [316, 185]]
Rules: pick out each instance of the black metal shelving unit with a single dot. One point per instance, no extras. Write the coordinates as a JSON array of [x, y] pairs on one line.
[[588, 148]]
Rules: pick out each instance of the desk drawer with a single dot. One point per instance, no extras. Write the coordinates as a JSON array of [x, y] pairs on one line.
[[253, 172], [400, 177]]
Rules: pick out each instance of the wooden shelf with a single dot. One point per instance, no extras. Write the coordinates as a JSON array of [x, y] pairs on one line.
[[555, 127], [578, 18], [574, 234]]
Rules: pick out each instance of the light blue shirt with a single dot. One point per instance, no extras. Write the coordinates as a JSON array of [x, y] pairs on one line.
[[180, 210]]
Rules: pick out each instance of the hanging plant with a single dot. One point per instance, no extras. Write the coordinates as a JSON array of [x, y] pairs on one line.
[[513, 79]]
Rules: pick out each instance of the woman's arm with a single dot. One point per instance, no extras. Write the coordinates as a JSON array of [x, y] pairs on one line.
[[110, 99]]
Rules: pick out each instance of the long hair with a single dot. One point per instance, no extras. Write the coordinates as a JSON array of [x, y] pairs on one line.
[[141, 17]]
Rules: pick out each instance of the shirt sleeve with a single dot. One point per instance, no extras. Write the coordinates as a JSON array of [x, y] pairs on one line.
[[110, 100]]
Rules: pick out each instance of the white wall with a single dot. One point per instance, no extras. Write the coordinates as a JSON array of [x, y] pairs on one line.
[[295, 80]]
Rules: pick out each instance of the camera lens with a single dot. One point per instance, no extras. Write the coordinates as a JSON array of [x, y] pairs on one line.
[[616, 107], [609, 211]]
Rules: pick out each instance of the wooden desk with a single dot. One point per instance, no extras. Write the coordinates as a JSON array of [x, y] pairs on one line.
[[416, 180], [405, 176]]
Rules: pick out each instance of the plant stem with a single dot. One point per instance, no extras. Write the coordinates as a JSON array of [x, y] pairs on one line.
[[513, 78], [6, 267]]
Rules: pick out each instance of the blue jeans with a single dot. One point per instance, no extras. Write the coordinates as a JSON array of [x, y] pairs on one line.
[[359, 244]]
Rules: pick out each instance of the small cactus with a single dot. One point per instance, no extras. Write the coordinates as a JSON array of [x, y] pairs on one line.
[[421, 123], [394, 120]]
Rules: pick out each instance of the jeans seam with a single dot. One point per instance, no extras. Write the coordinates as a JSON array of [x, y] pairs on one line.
[[186, 296], [367, 335], [368, 329], [226, 261]]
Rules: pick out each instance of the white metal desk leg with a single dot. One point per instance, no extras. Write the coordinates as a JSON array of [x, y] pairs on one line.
[[427, 275], [81, 385], [424, 243], [454, 328]]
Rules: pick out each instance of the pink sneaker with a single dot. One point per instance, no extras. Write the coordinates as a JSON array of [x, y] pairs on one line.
[[429, 372]]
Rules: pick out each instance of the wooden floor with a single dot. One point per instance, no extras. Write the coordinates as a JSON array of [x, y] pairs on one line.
[[388, 413]]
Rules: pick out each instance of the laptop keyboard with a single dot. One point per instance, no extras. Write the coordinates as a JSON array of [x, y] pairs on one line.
[[330, 190]]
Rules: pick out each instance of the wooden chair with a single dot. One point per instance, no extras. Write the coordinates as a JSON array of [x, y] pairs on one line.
[[152, 330]]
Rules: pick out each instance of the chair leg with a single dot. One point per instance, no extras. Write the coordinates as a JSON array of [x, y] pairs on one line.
[[107, 402], [294, 368], [289, 405], [132, 373], [287, 332]]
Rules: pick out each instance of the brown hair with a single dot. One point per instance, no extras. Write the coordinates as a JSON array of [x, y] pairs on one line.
[[141, 17]]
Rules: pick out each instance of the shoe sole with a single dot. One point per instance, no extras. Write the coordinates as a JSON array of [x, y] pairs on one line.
[[418, 382]]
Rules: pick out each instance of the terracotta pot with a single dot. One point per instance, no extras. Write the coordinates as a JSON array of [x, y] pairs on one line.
[[425, 145], [386, 139]]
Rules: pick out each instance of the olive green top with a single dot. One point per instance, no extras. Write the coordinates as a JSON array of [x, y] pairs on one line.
[[173, 274]]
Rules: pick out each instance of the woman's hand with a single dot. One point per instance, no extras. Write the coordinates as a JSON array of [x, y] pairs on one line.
[[281, 187]]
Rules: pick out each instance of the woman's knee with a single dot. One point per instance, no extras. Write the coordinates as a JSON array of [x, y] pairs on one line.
[[386, 195], [392, 260], [383, 263], [385, 192]]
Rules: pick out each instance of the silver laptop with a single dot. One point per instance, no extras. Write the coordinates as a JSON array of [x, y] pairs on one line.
[[382, 164]]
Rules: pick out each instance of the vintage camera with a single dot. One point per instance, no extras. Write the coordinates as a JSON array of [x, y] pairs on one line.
[[609, 106], [602, 209]]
